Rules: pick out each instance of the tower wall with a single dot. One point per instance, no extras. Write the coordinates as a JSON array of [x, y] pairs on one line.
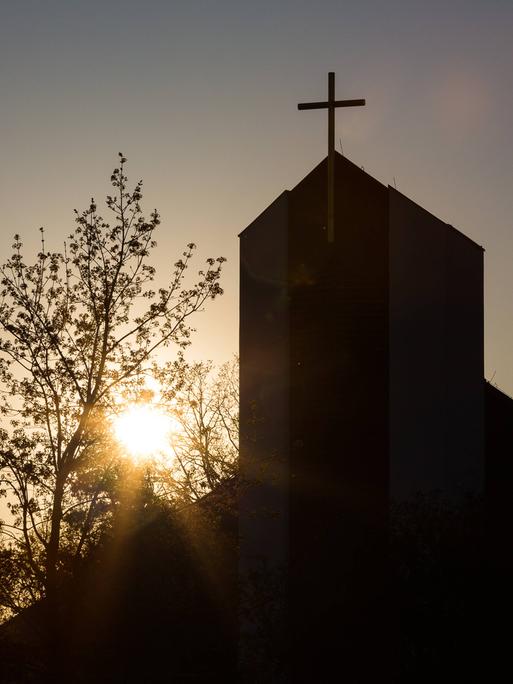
[[436, 355], [338, 419], [264, 441]]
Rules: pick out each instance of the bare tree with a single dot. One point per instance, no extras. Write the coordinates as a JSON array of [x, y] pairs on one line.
[[205, 405]]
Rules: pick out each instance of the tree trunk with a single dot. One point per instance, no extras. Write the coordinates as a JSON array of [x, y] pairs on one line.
[[52, 551], [54, 633]]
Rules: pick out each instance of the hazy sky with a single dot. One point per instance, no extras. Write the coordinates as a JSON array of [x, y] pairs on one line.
[[201, 97]]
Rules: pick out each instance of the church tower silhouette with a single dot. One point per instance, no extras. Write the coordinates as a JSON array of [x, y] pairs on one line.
[[361, 386]]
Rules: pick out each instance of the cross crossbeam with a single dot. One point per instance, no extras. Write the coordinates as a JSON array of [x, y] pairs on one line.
[[331, 105], [336, 103]]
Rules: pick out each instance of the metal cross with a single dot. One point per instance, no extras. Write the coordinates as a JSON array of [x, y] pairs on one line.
[[330, 106]]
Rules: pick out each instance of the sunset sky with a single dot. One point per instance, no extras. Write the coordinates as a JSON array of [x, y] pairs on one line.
[[201, 97]]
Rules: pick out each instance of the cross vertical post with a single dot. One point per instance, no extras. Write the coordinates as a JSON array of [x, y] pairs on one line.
[[331, 156], [330, 105]]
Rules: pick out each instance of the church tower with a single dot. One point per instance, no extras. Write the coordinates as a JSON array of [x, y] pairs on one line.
[[361, 363]]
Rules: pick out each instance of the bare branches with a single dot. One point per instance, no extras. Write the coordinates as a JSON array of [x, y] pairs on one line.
[[206, 407]]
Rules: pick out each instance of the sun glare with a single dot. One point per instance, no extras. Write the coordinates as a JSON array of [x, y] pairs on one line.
[[144, 430]]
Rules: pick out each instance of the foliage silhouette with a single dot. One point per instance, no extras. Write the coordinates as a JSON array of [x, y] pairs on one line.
[[79, 328], [155, 601]]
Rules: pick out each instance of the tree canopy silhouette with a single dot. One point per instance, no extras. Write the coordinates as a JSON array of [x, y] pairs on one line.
[[78, 327]]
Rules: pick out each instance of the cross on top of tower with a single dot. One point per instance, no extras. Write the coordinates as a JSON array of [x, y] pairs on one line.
[[330, 105]]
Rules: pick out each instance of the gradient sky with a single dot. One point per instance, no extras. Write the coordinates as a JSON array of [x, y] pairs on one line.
[[201, 97]]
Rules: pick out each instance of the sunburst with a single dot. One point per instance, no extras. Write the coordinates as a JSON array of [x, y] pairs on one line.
[[144, 431]]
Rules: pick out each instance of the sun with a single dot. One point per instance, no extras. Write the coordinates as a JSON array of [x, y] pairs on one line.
[[144, 430]]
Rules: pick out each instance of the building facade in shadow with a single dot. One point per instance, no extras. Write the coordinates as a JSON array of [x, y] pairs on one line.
[[361, 390]]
